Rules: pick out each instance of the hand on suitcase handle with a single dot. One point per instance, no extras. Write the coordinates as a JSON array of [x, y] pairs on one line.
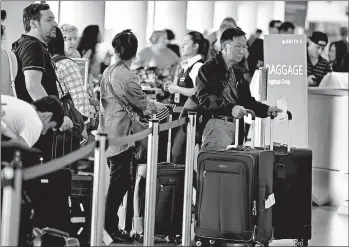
[[289, 116], [253, 115]]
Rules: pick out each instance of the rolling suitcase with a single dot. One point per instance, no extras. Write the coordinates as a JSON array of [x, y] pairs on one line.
[[81, 207], [293, 192], [169, 204], [234, 195], [50, 199]]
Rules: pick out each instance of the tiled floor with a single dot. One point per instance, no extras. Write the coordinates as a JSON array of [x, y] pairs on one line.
[[329, 229]]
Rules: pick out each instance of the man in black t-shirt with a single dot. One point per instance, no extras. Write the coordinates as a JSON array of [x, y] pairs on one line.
[[36, 77]]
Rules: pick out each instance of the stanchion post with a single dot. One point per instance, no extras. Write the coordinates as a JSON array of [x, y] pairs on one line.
[[188, 185], [150, 189], [98, 199], [12, 195]]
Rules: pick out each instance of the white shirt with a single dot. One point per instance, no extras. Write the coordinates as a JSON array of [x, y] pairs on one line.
[[22, 119], [186, 64]]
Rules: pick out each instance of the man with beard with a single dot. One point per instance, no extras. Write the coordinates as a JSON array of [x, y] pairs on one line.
[[36, 77]]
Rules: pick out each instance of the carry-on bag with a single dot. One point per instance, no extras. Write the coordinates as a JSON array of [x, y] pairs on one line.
[[169, 203], [64, 143], [81, 207], [293, 191], [50, 195], [234, 196], [49, 237]]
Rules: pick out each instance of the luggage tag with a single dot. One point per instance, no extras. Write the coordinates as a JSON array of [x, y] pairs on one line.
[[106, 238], [270, 201], [282, 104]]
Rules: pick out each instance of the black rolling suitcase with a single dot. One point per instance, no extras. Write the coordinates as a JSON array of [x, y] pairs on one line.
[[169, 204], [81, 207], [50, 199], [293, 193], [234, 196]]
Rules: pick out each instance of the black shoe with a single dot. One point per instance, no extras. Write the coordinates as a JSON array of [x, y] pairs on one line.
[[122, 237]]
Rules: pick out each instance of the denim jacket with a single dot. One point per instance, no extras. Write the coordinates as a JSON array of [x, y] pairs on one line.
[[114, 119]]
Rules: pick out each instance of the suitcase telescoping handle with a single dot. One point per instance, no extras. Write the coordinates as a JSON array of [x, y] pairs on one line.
[[169, 141], [289, 119], [253, 116]]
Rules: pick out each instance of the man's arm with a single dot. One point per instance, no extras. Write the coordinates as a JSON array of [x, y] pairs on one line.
[[33, 84], [208, 96], [33, 65], [249, 102]]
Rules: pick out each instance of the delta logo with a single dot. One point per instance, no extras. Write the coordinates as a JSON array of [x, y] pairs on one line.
[[292, 41]]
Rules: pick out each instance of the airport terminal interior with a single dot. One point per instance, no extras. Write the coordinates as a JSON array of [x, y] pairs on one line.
[[192, 123]]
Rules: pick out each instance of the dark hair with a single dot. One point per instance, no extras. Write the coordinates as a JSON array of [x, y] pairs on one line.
[[56, 46], [286, 25], [273, 22], [2, 30], [51, 104], [259, 31], [170, 34], [230, 33], [32, 12], [341, 49], [125, 44], [88, 40], [203, 43], [3, 14], [345, 63]]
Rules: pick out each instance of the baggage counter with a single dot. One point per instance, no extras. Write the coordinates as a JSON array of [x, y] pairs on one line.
[[328, 138]]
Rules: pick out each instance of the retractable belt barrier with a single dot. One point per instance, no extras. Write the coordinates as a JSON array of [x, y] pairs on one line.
[[14, 175]]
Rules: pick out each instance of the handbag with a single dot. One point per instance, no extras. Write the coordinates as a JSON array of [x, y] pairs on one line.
[[135, 125], [68, 105]]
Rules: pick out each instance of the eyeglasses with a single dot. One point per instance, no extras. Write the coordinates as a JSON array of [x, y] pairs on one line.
[[238, 46]]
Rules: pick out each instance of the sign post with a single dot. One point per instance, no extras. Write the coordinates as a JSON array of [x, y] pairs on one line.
[[286, 58]]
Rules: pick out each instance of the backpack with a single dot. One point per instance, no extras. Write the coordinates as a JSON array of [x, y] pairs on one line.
[[9, 71]]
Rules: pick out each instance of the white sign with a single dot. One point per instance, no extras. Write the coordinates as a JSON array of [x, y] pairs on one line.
[[285, 56]]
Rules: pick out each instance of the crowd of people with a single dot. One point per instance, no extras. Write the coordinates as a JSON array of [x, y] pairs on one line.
[[210, 75]]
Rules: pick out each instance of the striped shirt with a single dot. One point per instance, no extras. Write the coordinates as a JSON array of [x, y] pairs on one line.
[[319, 70]]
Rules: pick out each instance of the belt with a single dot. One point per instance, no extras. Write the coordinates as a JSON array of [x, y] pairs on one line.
[[225, 118]]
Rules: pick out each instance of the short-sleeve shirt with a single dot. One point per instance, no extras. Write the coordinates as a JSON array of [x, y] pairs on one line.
[[28, 125], [32, 54], [319, 70]]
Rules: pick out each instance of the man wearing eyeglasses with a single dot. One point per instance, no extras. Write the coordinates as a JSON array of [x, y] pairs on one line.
[[223, 94]]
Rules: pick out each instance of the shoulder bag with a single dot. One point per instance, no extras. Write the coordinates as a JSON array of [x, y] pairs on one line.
[[135, 125]]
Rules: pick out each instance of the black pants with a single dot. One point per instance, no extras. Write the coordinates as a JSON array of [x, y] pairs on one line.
[[120, 183]]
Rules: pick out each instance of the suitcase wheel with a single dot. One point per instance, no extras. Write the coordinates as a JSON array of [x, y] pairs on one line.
[[198, 243], [301, 242]]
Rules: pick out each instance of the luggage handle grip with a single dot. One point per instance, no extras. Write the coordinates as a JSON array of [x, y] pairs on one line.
[[236, 140], [289, 118]]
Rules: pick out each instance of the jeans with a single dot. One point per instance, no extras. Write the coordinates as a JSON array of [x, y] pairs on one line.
[[119, 184]]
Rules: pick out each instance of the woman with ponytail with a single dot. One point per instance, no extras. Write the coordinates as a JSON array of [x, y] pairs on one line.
[[121, 94], [194, 48]]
